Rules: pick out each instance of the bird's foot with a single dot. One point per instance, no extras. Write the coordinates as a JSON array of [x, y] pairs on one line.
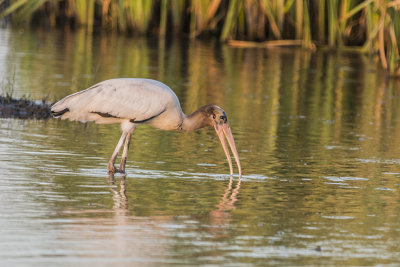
[[111, 168]]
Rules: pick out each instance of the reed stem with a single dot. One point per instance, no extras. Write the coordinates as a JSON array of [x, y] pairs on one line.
[[328, 22]]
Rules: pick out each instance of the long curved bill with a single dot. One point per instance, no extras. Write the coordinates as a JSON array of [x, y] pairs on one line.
[[222, 130]]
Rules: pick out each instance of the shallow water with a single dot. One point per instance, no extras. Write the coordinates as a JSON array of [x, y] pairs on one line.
[[317, 134]]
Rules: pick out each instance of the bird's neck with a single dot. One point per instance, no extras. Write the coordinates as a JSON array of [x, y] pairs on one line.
[[194, 121]]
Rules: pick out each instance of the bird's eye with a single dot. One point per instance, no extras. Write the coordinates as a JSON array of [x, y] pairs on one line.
[[222, 117]]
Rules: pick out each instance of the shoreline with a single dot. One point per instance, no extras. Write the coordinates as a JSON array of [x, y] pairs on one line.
[[23, 108]]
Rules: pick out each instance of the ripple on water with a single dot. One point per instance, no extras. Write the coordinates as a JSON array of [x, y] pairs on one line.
[[206, 164], [344, 178], [337, 217], [341, 147], [256, 177], [135, 172], [385, 189], [380, 161]]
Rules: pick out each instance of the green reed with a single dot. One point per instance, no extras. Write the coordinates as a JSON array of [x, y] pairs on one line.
[[371, 26]]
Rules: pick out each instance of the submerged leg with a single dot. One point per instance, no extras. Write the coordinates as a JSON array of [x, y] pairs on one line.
[[110, 166], [125, 151]]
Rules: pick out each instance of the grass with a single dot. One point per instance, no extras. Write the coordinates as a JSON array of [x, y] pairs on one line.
[[373, 26], [21, 108]]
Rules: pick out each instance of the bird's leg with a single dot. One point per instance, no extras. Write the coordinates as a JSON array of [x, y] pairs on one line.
[[110, 166], [125, 151]]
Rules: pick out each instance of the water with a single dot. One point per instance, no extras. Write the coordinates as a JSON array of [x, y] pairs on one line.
[[317, 134]]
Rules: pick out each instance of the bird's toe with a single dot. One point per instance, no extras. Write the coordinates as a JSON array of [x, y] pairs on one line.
[[111, 168]]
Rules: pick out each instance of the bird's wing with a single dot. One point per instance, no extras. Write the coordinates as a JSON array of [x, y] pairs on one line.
[[134, 99]]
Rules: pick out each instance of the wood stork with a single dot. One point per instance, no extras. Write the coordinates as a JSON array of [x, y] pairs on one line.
[[134, 101]]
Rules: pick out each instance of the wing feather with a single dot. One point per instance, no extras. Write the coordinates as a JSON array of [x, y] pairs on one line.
[[129, 98]]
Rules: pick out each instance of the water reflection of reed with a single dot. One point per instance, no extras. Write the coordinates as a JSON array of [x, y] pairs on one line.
[[269, 94], [298, 118]]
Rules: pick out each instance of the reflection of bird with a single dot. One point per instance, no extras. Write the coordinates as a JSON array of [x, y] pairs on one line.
[[131, 102], [222, 214], [120, 199]]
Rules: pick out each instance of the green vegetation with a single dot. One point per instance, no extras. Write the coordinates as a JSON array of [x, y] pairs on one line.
[[370, 26], [22, 108]]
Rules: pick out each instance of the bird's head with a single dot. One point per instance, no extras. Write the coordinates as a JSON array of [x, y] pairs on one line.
[[217, 118]]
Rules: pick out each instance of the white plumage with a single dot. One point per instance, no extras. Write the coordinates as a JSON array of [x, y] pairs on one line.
[[123, 99], [134, 101]]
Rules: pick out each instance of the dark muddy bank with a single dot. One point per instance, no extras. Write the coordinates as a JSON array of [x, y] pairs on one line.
[[23, 108]]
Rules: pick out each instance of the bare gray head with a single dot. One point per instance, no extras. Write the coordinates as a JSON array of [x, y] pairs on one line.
[[212, 115]]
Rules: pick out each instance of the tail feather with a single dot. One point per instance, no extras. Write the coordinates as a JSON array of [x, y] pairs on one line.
[[57, 114], [66, 108]]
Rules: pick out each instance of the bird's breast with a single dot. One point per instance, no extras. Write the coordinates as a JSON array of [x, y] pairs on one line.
[[170, 120]]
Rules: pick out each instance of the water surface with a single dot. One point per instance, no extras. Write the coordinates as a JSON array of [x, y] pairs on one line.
[[317, 134]]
